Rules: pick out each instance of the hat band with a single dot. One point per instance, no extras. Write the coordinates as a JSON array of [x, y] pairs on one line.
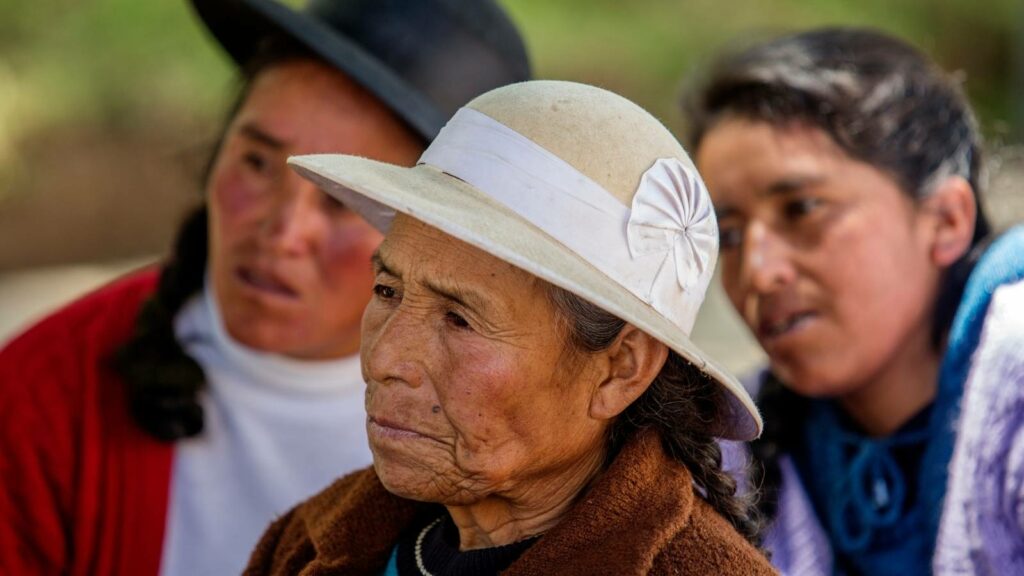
[[662, 250]]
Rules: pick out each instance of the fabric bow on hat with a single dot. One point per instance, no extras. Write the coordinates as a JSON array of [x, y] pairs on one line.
[[672, 216]]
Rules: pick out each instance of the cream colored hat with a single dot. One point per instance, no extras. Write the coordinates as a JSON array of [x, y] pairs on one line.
[[575, 185]]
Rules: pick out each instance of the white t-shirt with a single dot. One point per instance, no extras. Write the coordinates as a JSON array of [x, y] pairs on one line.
[[276, 430]]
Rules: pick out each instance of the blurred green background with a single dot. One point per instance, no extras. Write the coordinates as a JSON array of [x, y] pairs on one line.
[[108, 108]]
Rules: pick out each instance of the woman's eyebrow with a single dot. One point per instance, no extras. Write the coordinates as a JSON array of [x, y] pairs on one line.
[[448, 290], [466, 298], [254, 132], [793, 184], [379, 266]]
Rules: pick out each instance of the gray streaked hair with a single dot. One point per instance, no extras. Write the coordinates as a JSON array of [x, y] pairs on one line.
[[879, 98]]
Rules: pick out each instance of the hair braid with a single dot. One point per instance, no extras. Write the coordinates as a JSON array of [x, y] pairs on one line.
[[704, 460], [678, 404], [162, 380]]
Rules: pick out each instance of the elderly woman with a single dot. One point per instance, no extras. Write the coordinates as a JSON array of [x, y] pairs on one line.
[[535, 405], [846, 170]]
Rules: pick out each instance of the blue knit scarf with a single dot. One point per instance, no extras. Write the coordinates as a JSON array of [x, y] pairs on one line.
[[863, 495]]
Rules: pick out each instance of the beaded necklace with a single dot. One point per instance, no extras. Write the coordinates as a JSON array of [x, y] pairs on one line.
[[514, 548], [418, 549]]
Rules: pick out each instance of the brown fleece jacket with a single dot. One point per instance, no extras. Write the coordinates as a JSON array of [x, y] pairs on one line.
[[640, 517]]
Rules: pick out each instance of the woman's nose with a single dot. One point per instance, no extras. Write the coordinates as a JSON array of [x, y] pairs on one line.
[[296, 224], [391, 347], [766, 264]]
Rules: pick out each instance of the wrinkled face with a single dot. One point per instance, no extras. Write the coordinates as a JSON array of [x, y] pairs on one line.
[[290, 266], [823, 256], [471, 389]]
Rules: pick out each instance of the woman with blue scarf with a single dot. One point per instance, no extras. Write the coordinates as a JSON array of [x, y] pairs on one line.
[[845, 169]]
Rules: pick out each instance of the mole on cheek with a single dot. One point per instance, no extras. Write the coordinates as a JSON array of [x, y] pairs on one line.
[[435, 409]]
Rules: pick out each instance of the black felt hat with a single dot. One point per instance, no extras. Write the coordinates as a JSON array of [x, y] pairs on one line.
[[423, 58]]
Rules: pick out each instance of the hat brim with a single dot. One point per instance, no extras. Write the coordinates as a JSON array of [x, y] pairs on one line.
[[377, 190], [241, 25]]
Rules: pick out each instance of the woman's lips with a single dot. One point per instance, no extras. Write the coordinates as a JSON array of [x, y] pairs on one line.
[[386, 429], [779, 326], [265, 282]]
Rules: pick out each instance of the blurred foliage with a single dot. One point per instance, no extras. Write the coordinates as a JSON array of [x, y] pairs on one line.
[[645, 47], [120, 61], [113, 59]]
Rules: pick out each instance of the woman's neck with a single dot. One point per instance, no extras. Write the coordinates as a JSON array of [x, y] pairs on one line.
[[533, 509], [903, 388]]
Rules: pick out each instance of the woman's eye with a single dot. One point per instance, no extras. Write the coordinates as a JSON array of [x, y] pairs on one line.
[[384, 292], [255, 161], [729, 237], [331, 204], [456, 320], [799, 207]]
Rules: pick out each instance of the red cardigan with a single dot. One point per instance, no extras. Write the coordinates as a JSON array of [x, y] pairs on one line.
[[82, 489]]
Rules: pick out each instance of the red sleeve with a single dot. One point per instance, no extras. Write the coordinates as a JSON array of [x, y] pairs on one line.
[[82, 490]]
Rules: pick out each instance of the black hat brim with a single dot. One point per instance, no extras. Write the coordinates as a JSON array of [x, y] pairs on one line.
[[241, 25]]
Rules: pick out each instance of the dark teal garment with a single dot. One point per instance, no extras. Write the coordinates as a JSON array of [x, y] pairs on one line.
[[866, 492], [392, 568]]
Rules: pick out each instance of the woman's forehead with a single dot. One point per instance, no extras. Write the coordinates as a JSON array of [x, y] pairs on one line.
[[309, 107], [755, 159], [419, 253], [411, 242]]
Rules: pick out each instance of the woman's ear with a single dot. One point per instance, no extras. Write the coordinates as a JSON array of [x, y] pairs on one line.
[[634, 360], [952, 213]]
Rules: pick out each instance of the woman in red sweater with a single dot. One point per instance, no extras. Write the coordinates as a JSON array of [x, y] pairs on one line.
[[158, 424]]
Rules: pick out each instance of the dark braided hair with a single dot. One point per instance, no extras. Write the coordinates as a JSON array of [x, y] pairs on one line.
[[163, 382], [678, 404], [884, 103]]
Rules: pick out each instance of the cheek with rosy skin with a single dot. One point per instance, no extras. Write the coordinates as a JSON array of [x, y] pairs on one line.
[[347, 266], [873, 299], [516, 416], [232, 195], [349, 246], [235, 204]]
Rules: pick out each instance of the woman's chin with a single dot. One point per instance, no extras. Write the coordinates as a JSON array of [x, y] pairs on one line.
[[811, 381], [399, 476], [421, 485], [259, 334]]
